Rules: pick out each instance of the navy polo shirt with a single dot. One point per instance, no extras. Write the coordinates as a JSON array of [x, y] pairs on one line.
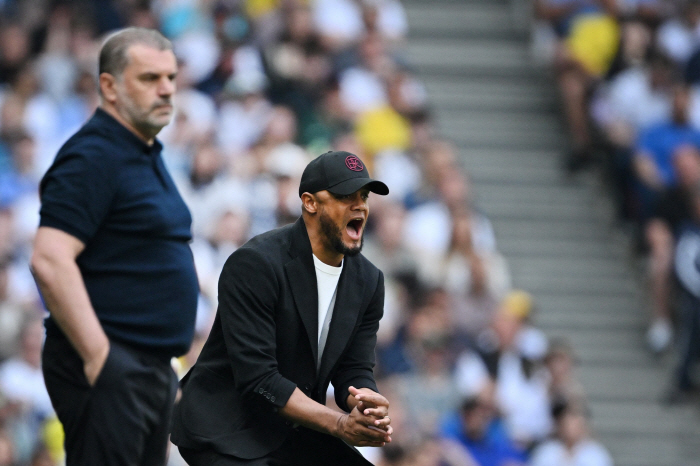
[[111, 190]]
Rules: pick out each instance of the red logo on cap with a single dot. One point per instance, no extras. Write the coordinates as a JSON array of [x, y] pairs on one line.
[[353, 163]]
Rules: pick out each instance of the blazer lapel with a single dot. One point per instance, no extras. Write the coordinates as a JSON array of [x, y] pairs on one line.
[[347, 308], [302, 280]]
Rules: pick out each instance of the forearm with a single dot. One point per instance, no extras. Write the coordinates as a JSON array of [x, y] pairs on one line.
[[306, 412], [354, 428], [66, 297]]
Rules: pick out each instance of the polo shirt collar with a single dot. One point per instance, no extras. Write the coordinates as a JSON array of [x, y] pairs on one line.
[[126, 135]]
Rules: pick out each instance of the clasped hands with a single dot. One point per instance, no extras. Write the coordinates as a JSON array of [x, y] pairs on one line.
[[368, 422]]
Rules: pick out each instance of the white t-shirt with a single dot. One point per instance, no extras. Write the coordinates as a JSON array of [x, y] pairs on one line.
[[586, 453], [633, 100], [327, 282]]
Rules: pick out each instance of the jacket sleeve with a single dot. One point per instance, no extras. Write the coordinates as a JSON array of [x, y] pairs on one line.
[[248, 293], [356, 366]]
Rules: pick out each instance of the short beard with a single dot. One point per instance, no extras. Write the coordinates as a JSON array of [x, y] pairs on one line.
[[141, 118], [334, 237]]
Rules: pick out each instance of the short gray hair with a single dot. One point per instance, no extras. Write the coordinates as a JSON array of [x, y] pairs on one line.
[[113, 57]]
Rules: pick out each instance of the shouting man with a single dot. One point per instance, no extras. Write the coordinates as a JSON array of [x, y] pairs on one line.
[[299, 308]]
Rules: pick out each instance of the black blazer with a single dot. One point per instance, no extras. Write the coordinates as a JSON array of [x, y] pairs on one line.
[[264, 343]]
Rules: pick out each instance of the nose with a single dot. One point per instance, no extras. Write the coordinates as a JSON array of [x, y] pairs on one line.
[[166, 87], [359, 201]]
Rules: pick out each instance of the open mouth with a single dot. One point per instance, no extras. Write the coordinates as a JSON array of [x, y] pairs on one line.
[[354, 228]]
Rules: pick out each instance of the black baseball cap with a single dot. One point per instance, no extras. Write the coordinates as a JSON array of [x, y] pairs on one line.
[[340, 173]]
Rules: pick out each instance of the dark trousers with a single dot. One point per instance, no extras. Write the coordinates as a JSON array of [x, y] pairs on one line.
[[688, 339], [124, 419], [303, 447]]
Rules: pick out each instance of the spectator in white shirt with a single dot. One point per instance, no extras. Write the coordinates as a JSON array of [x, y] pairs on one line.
[[573, 445]]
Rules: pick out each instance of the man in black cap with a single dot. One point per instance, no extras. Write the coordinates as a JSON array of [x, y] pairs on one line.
[[299, 308]]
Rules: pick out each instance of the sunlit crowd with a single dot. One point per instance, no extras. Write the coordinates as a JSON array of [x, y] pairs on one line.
[[263, 87]]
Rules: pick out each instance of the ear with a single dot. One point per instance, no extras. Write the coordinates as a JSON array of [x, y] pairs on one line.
[[309, 202], [108, 87]]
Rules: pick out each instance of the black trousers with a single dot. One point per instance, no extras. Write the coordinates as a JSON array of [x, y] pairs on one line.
[[124, 419], [303, 447], [688, 339]]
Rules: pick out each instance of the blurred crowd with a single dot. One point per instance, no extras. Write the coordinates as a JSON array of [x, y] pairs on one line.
[[263, 87], [629, 77]]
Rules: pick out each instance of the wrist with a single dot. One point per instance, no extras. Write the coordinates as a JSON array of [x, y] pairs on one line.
[[98, 351], [338, 426]]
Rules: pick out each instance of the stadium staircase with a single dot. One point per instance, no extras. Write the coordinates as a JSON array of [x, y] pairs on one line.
[[558, 233]]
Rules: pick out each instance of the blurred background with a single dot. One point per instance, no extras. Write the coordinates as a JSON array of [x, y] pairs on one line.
[[540, 241]]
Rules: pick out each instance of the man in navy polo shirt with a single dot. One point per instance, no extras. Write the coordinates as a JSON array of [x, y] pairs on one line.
[[112, 260]]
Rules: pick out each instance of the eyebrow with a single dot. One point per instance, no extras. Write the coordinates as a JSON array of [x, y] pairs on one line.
[[153, 74]]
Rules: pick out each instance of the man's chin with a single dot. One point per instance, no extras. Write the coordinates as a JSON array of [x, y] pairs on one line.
[[353, 249], [162, 120], [158, 123], [160, 116]]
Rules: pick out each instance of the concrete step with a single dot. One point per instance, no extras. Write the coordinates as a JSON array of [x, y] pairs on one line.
[[603, 266], [517, 245], [476, 101], [650, 451], [507, 159], [574, 319], [489, 173], [506, 163], [620, 418], [457, 20], [613, 357], [620, 383], [573, 196], [540, 209], [582, 288], [607, 347], [514, 159], [599, 304], [535, 124], [488, 139], [478, 57], [510, 95], [529, 199], [545, 229], [512, 86]]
